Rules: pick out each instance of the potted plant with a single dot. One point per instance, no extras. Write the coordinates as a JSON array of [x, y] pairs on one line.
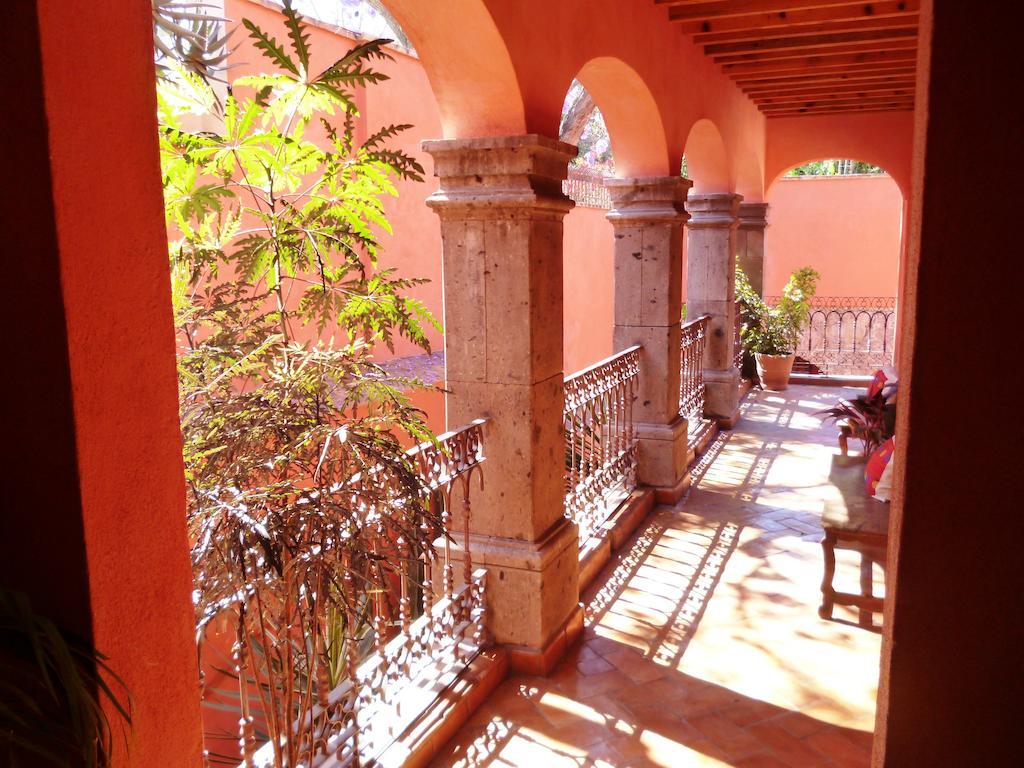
[[772, 333]]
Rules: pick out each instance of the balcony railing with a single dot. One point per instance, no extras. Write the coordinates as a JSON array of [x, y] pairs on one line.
[[691, 367], [414, 658], [848, 334], [600, 439], [586, 188]]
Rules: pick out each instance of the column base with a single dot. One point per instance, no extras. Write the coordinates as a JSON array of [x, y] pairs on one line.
[[532, 587], [525, 660], [671, 496], [663, 453], [722, 397]]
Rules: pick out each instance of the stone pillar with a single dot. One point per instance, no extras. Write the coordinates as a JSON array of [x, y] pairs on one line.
[[750, 242], [501, 207], [711, 289], [648, 215]]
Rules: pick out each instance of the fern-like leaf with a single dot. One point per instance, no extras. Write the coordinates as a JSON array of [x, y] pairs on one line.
[[271, 49], [297, 33]]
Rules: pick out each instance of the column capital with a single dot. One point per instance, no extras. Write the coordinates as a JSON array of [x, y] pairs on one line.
[[715, 210], [492, 176], [642, 199], [753, 215]]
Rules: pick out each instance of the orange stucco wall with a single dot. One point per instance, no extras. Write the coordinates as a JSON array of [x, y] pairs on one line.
[[589, 287], [846, 227]]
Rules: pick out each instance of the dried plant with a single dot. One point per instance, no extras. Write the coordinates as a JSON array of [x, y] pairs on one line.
[[55, 693], [302, 505], [186, 33]]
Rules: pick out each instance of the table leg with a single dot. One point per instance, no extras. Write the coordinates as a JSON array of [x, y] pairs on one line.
[[867, 584], [828, 551]]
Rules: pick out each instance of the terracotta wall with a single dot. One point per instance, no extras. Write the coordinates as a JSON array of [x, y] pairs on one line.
[[587, 264], [846, 227]]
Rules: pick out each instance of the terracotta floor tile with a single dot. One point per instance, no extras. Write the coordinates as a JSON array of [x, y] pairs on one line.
[[735, 741], [787, 747], [843, 751], [702, 644]]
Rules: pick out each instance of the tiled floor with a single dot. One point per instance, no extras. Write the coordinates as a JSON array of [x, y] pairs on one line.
[[703, 646]]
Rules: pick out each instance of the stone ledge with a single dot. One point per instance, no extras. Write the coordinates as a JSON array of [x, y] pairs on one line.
[[613, 533], [425, 737], [830, 380]]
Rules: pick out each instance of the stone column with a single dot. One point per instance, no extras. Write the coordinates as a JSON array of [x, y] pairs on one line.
[[501, 207], [648, 215], [750, 242], [711, 289]]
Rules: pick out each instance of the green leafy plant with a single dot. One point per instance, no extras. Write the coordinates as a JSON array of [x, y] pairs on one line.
[[775, 330], [869, 419], [55, 693], [302, 505]]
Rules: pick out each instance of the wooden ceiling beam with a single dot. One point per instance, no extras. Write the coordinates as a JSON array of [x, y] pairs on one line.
[[860, 24], [793, 19], [841, 75], [715, 9], [836, 111], [890, 81], [824, 40], [907, 44], [810, 64], [841, 100], [767, 97]]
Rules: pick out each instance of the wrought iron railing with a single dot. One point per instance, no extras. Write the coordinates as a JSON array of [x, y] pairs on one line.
[[586, 188], [691, 367], [848, 335], [412, 659], [600, 439]]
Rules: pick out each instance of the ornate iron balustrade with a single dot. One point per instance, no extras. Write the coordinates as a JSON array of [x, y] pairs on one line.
[[586, 188], [691, 367], [848, 335], [600, 439], [413, 659]]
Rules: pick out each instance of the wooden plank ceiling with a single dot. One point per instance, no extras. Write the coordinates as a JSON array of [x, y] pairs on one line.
[[809, 57]]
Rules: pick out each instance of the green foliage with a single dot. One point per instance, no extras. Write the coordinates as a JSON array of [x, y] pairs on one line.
[[835, 168], [298, 484], [775, 330], [53, 690], [870, 419]]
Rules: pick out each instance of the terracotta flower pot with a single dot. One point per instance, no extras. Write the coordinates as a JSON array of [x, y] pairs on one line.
[[774, 370]]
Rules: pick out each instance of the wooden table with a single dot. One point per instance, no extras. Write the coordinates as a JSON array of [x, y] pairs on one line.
[[856, 522]]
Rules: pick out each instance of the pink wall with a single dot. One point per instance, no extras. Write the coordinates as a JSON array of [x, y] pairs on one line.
[[847, 228], [587, 264]]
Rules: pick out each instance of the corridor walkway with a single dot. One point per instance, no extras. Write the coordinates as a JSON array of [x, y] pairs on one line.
[[703, 645]]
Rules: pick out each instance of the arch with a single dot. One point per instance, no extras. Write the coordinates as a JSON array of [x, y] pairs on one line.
[[631, 114], [468, 64], [816, 159], [750, 181], [706, 158], [884, 139]]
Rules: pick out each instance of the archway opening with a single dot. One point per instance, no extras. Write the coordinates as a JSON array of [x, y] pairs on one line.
[[844, 218], [705, 159]]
